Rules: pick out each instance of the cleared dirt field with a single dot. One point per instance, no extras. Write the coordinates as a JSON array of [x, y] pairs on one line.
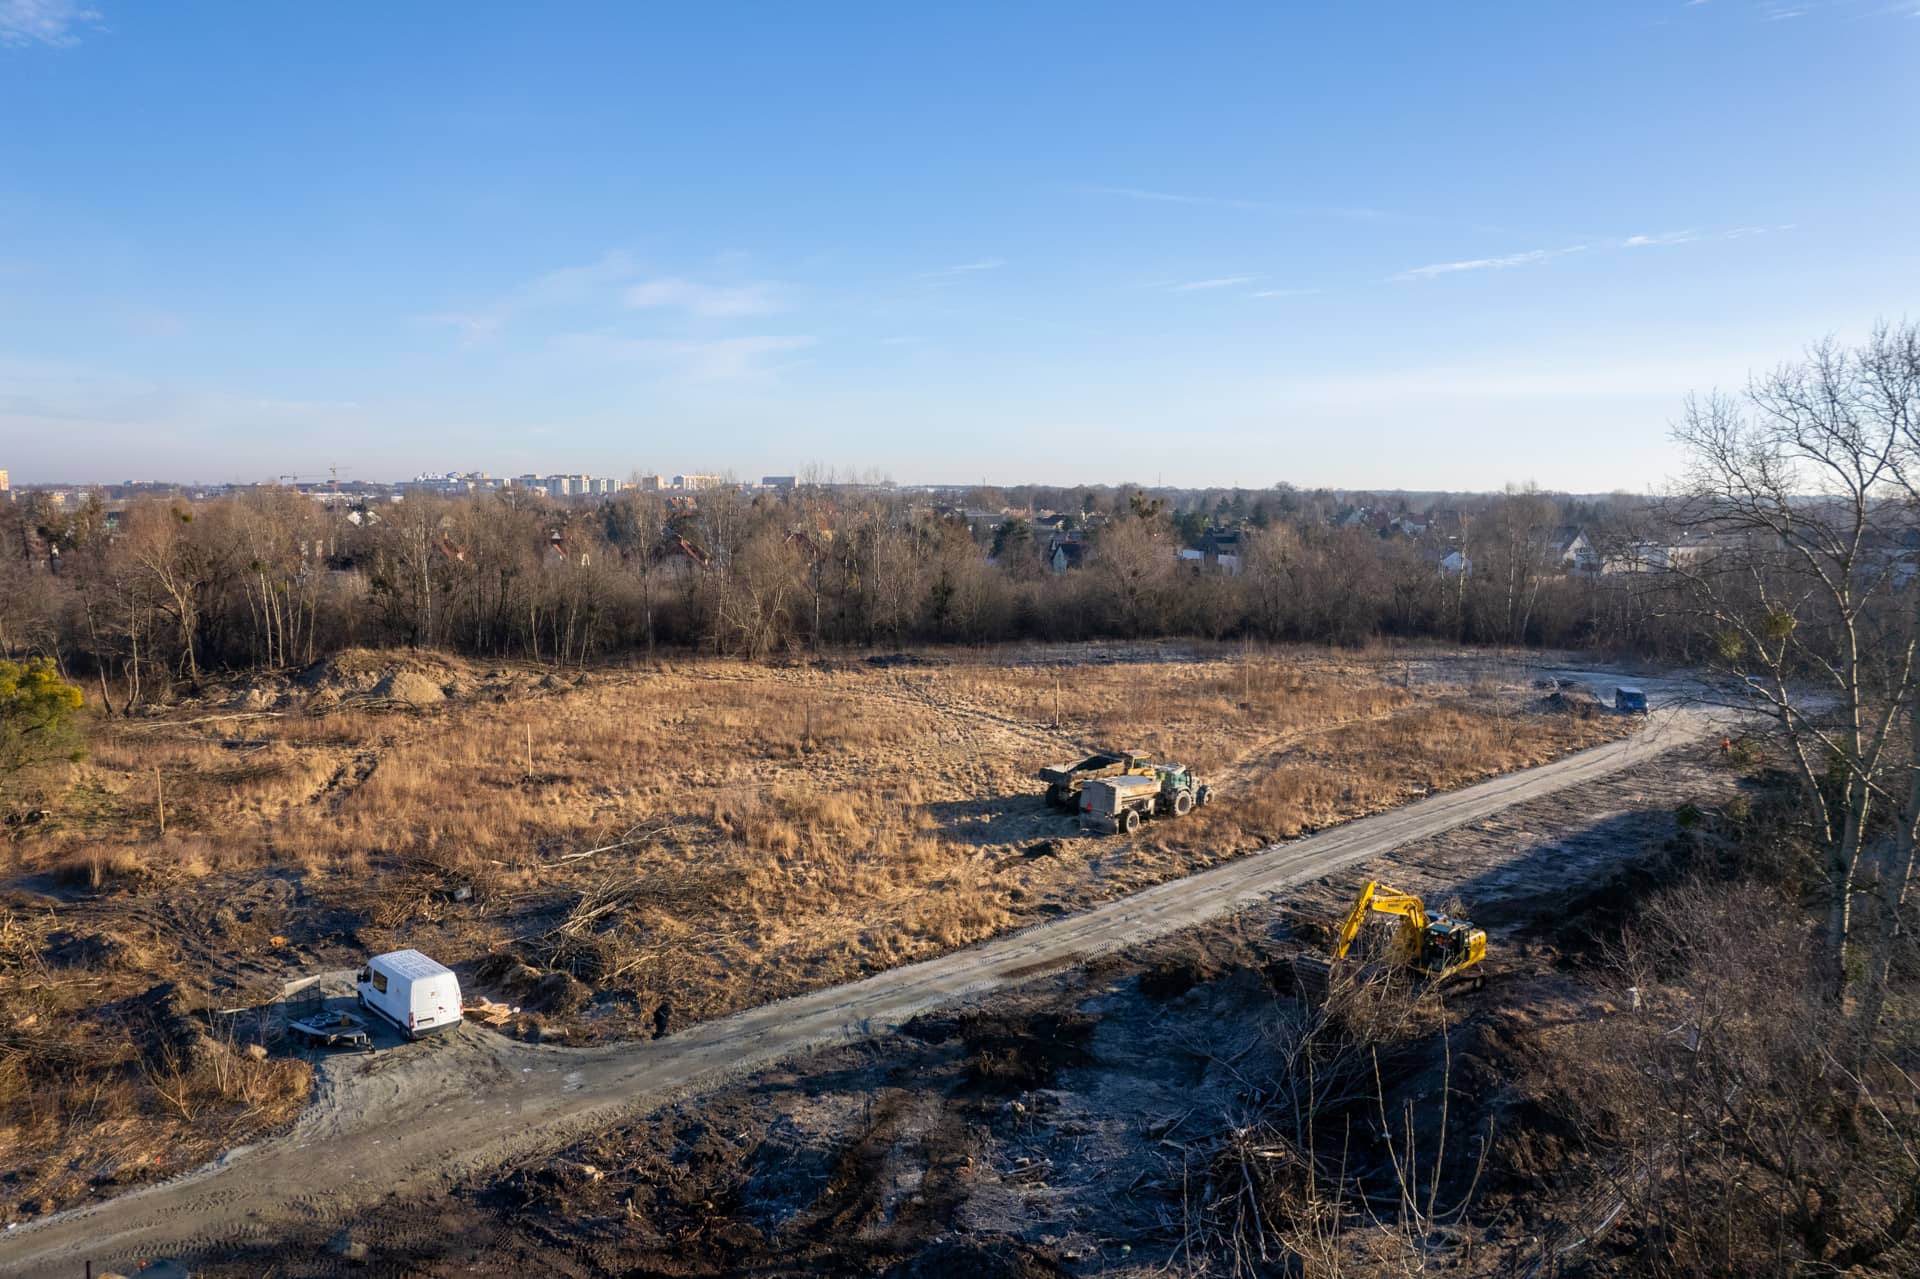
[[1110, 1119], [623, 853]]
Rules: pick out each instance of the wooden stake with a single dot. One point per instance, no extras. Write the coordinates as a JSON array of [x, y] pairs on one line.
[[159, 801], [529, 752], [1056, 700]]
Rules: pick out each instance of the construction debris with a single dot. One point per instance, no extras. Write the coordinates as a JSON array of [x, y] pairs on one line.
[[492, 1014]]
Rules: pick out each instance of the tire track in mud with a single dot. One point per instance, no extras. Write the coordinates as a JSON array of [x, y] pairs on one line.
[[411, 1121]]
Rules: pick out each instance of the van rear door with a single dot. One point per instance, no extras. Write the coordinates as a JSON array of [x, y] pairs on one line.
[[435, 1001]]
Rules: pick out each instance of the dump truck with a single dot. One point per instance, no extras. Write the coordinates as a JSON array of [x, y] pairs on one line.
[[1117, 805], [1065, 780]]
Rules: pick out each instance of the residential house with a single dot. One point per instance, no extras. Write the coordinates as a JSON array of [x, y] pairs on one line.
[[1220, 550], [1066, 551], [678, 556], [561, 553], [1572, 553]]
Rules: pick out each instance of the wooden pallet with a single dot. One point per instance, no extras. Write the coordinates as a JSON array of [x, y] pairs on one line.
[[490, 1013]]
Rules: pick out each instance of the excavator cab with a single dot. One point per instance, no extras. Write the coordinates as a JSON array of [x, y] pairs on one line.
[[1451, 945], [1435, 948]]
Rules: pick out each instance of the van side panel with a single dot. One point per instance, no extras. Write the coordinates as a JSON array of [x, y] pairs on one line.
[[385, 994]]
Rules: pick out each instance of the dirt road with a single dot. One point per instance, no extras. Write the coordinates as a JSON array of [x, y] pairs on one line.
[[405, 1121]]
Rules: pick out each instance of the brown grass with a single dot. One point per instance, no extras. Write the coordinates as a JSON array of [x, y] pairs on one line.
[[759, 831], [91, 1099]]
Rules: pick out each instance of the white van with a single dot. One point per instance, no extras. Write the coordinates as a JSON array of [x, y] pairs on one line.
[[411, 991]]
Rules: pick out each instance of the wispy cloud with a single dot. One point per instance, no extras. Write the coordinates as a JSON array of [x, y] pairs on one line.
[[566, 286], [1528, 258], [963, 268], [704, 300], [1169, 197], [1282, 293], [613, 278], [1222, 282], [731, 359], [1349, 212], [1662, 240], [53, 22], [1659, 241], [1851, 10]]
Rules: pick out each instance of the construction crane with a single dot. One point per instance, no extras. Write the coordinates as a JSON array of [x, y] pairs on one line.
[[1434, 947]]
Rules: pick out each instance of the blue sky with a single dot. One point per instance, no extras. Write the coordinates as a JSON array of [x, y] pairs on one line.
[[1384, 245]]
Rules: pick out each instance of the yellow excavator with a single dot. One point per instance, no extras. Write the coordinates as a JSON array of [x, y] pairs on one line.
[[1437, 947]]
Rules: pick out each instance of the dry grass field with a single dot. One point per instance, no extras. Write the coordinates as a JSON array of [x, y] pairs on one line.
[[620, 852]]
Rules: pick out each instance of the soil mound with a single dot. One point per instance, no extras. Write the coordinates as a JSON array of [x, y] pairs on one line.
[[168, 1023], [103, 950], [412, 688], [534, 990], [1575, 699], [373, 676]]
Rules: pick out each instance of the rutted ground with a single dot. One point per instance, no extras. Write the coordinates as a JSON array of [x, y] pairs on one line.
[[475, 1100]]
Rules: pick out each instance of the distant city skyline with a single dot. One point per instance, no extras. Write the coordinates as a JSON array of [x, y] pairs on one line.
[[1403, 246], [480, 480]]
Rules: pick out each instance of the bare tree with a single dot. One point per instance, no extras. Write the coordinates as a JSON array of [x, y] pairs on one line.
[[1732, 1126], [1271, 579], [1800, 500], [185, 566], [1134, 570]]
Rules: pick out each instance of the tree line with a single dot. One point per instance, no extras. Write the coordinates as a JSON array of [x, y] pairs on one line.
[[160, 593]]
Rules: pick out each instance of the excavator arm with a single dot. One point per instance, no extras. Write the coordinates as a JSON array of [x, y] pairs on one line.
[[1380, 899], [1350, 926]]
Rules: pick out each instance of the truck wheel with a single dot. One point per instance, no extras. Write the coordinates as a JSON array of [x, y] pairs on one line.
[[1129, 822], [1182, 804]]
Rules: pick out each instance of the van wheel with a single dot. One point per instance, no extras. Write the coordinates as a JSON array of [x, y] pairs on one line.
[[1182, 804], [1129, 822], [1056, 796]]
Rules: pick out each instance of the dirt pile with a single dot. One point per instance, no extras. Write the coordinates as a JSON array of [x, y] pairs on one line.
[[169, 1024], [410, 688], [384, 679], [534, 990], [1575, 699], [89, 950], [364, 676]]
